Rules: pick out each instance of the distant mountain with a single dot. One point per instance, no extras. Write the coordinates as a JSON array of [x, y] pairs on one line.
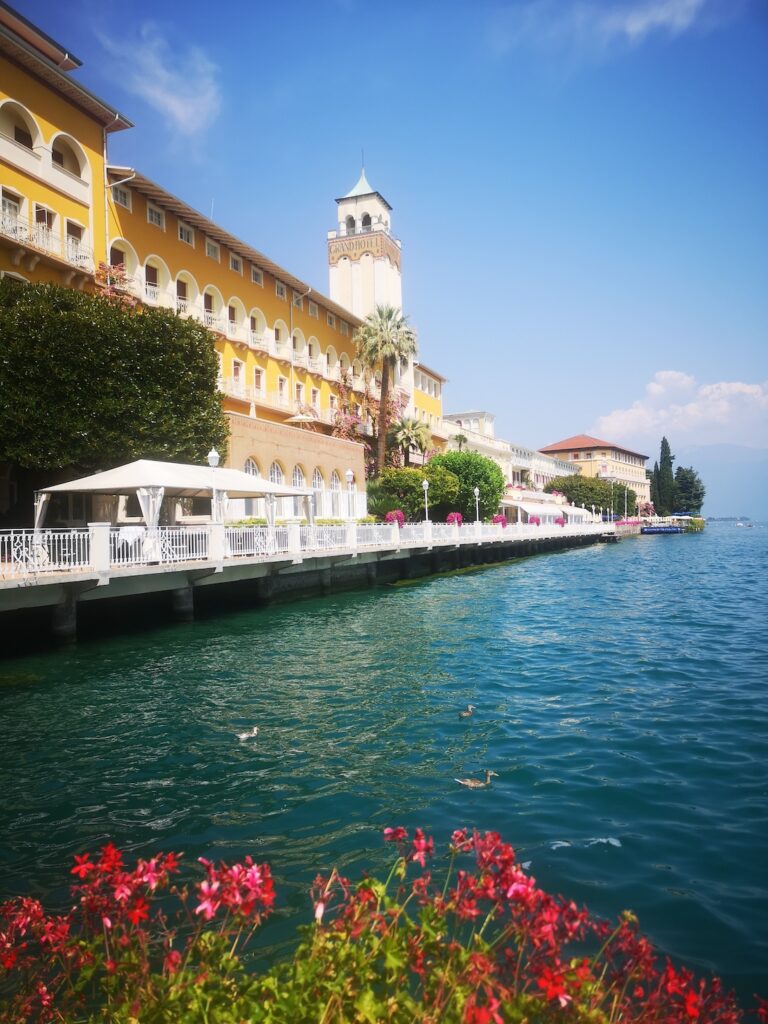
[[736, 478]]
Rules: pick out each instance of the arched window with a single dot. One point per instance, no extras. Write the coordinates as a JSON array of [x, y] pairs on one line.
[[65, 155], [350, 225], [251, 467], [366, 222], [276, 475], [298, 478], [335, 494], [18, 124]]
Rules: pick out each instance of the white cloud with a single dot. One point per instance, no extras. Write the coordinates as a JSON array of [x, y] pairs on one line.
[[677, 406], [592, 27], [179, 82]]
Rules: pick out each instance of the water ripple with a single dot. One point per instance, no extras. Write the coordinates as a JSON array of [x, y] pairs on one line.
[[620, 692]]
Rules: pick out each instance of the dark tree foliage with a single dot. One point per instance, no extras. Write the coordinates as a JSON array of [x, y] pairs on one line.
[[91, 384], [473, 470], [403, 489], [689, 491], [589, 491], [653, 476], [666, 482]]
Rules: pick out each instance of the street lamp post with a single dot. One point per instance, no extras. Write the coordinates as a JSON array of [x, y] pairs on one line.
[[477, 504], [425, 485], [593, 513], [213, 461], [350, 481]]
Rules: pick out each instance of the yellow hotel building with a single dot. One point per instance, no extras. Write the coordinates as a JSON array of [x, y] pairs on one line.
[[288, 364]]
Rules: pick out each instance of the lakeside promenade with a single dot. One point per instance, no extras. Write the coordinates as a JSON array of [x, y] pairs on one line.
[[59, 569]]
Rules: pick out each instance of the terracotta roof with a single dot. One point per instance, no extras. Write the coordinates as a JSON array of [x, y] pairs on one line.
[[582, 441]]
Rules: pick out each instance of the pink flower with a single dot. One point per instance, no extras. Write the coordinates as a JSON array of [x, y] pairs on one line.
[[319, 911], [210, 902], [422, 848], [395, 835]]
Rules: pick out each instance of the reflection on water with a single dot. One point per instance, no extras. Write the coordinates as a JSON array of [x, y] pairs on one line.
[[620, 695]]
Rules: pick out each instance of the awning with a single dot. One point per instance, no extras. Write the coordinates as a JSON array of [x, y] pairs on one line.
[[177, 480], [532, 508]]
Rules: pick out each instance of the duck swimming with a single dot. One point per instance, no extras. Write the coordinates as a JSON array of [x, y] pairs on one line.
[[478, 783], [468, 712], [243, 736]]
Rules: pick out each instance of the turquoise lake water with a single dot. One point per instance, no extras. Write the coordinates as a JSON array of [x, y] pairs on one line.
[[621, 692]]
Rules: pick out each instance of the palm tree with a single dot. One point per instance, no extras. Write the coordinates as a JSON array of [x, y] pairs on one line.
[[384, 338], [408, 434], [461, 440]]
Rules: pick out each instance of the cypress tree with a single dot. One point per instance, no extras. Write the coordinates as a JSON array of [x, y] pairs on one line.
[[666, 481], [653, 476]]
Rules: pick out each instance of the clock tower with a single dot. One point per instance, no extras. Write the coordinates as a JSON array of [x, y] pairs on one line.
[[363, 255]]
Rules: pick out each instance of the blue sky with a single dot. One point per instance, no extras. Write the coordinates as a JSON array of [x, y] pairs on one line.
[[581, 186]]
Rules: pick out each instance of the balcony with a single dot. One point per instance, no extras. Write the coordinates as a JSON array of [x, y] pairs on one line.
[[211, 321], [300, 359], [314, 365], [183, 306], [234, 330], [332, 372], [34, 240], [257, 341], [151, 293], [283, 351]]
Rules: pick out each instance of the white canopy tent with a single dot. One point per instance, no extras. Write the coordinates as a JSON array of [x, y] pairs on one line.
[[152, 481], [546, 510]]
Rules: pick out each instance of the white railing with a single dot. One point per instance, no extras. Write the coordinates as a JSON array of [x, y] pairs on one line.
[[211, 321], [258, 341], [299, 358], [332, 372], [233, 329], [28, 553], [151, 292], [34, 551], [39, 236], [254, 541], [137, 545], [282, 351], [314, 365], [374, 535], [323, 538], [445, 532], [182, 306]]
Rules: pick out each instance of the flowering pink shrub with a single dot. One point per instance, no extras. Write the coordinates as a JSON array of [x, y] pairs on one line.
[[481, 944], [500, 521], [454, 517], [534, 520], [395, 516], [560, 521]]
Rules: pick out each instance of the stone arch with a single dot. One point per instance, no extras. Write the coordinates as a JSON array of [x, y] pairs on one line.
[[187, 291], [298, 342], [130, 260], [19, 124], [257, 320], [349, 223], [69, 155], [213, 305], [236, 306], [156, 284]]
